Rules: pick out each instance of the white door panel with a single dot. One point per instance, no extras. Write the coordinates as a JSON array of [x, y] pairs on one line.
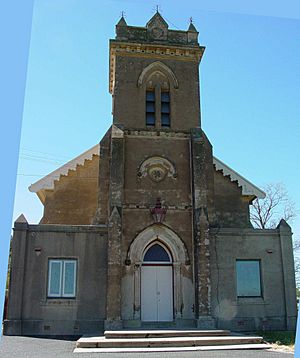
[[148, 294], [165, 293], [156, 293]]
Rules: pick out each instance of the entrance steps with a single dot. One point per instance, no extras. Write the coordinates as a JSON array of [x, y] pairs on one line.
[[167, 340]]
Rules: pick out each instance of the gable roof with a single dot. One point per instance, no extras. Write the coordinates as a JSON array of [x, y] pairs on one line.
[[248, 188], [47, 182]]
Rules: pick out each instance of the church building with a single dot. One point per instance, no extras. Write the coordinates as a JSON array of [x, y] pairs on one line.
[[148, 228]]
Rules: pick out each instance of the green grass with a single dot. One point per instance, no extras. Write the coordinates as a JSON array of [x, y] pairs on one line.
[[281, 338]]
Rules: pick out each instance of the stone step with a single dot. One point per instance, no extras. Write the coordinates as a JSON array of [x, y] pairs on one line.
[[102, 342], [172, 349], [164, 333], [158, 325]]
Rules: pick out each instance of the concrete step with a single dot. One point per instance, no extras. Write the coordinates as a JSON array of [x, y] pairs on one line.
[[158, 325], [172, 349], [164, 333], [182, 341]]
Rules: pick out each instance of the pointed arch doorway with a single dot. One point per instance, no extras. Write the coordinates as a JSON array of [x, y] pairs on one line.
[[157, 284]]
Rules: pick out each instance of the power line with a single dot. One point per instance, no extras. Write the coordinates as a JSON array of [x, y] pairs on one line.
[[39, 152], [172, 23], [41, 159]]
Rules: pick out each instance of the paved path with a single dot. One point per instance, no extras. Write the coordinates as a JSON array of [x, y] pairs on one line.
[[26, 347]]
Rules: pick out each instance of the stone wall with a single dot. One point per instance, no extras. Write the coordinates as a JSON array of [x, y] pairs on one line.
[[30, 311], [276, 308], [232, 208], [129, 106], [73, 201]]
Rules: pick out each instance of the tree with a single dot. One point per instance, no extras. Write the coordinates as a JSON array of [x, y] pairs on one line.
[[266, 213]]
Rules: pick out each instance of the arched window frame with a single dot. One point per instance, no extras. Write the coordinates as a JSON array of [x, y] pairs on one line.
[[158, 111], [168, 252]]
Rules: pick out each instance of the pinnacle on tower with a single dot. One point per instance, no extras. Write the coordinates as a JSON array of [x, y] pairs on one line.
[[157, 18], [192, 27], [122, 21]]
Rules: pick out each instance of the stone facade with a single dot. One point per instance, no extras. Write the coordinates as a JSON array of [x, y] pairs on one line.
[[154, 181]]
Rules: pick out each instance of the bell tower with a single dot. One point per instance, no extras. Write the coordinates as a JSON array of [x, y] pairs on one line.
[[156, 152], [154, 76]]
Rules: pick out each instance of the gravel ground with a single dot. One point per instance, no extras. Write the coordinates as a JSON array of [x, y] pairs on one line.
[[28, 347]]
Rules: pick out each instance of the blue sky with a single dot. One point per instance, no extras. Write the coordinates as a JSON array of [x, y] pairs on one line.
[[249, 79]]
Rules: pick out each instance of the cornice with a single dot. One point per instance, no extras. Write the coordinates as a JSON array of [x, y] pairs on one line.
[[159, 51]]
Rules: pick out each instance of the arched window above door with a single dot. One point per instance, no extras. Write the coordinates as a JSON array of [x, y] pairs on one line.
[[157, 253]]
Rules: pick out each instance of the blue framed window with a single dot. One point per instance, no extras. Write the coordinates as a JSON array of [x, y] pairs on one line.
[[62, 278], [248, 278]]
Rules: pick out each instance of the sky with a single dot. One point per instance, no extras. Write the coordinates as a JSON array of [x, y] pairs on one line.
[[250, 76], [249, 85]]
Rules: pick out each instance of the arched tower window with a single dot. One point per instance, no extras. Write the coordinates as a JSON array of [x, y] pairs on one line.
[[158, 80]]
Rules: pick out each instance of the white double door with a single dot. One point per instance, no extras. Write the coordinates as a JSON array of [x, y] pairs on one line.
[[156, 293]]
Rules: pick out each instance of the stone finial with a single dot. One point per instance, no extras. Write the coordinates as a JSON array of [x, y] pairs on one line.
[[21, 223], [192, 33], [122, 21], [121, 28], [157, 28], [21, 220], [283, 225], [157, 21], [192, 28]]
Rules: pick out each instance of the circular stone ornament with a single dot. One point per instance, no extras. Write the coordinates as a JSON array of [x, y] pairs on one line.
[[157, 173], [157, 169]]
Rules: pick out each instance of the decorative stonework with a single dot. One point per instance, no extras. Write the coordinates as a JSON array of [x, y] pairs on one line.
[[134, 260], [163, 52], [157, 67], [157, 169], [47, 182], [157, 28], [158, 33], [157, 133]]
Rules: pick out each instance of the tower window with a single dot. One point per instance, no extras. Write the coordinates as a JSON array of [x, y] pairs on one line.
[[165, 109], [150, 108]]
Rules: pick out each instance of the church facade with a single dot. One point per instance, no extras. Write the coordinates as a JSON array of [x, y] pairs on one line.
[[148, 228]]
